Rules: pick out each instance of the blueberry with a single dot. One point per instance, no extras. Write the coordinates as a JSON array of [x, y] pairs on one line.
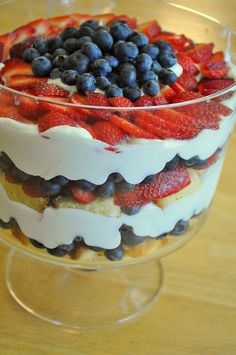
[[30, 54], [78, 61], [102, 82], [167, 59], [60, 61], [132, 93], [128, 237], [107, 189], [148, 75], [113, 61], [49, 56], [163, 45], [56, 73], [104, 40], [5, 161], [86, 31], [156, 67], [124, 186], [190, 162], [130, 211], [9, 224], [139, 39], [41, 66], [151, 88], [97, 249], [92, 24], [71, 45], [91, 50], [151, 50], [61, 180], [54, 43], [143, 62], [37, 244], [83, 40], [86, 83], [86, 185], [57, 252], [59, 51], [171, 165], [69, 32], [114, 78], [113, 91], [115, 177], [101, 67], [148, 179], [180, 228], [41, 45], [69, 77], [50, 188], [120, 30], [128, 74], [19, 174], [126, 52], [200, 164], [114, 254], [167, 77], [78, 239]]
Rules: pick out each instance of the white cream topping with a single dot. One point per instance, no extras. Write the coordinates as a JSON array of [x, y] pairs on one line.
[[60, 226]]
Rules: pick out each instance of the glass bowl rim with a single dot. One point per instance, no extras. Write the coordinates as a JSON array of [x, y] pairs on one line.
[[137, 108]]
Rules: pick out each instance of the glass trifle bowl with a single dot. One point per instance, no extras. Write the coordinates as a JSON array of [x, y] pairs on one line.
[[106, 169]]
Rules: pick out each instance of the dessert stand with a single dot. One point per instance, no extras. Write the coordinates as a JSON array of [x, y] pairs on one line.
[[81, 295]]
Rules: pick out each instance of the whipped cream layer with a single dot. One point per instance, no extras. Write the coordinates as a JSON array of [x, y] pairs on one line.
[[60, 226]]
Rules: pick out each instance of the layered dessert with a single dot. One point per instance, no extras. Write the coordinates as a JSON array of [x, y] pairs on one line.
[[112, 135]]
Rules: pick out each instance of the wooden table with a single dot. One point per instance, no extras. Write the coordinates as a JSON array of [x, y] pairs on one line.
[[196, 313]]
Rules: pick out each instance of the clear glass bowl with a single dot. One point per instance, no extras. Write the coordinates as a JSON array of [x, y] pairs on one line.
[[191, 206]]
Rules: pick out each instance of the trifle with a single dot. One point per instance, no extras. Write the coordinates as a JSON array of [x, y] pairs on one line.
[[112, 136]]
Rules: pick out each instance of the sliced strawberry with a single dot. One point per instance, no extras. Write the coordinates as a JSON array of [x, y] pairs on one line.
[[164, 184], [208, 87], [131, 22], [179, 42], [62, 21], [40, 26], [167, 92], [29, 107], [96, 99], [104, 19], [22, 82], [80, 195], [45, 89], [17, 49], [32, 189], [151, 28], [159, 100], [106, 132], [210, 161], [84, 125], [186, 96], [130, 128], [69, 111], [188, 81], [10, 177], [177, 87], [144, 100], [217, 57], [121, 102], [1, 51], [187, 63], [9, 111], [81, 100], [163, 124], [79, 19], [214, 70], [15, 66], [201, 53], [6, 97], [53, 120]]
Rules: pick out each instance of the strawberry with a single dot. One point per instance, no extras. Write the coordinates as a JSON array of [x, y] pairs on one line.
[[167, 92], [177, 87], [210, 161], [179, 42], [45, 89], [1, 51], [96, 99], [130, 128], [164, 124], [40, 26], [6, 97], [214, 70], [15, 66], [53, 120], [80, 195], [10, 177], [86, 126], [81, 100], [22, 82], [188, 81], [186, 96], [6, 42], [62, 21], [71, 112], [9, 111], [29, 107], [201, 53], [164, 184], [144, 100], [131, 22], [108, 133], [217, 57], [18, 48], [104, 18], [187, 63], [208, 87], [159, 100], [32, 189], [121, 102], [151, 28]]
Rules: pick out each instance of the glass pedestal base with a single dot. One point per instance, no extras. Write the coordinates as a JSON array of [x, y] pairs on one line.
[[80, 299]]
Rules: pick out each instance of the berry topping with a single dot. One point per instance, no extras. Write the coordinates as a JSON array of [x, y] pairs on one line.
[[151, 87], [91, 50], [45, 89], [41, 66], [108, 133], [86, 83], [167, 77], [80, 195], [51, 120], [30, 54], [120, 30], [101, 67], [104, 40], [113, 91]]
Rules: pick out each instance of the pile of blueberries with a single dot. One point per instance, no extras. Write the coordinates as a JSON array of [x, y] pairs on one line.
[[115, 59]]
